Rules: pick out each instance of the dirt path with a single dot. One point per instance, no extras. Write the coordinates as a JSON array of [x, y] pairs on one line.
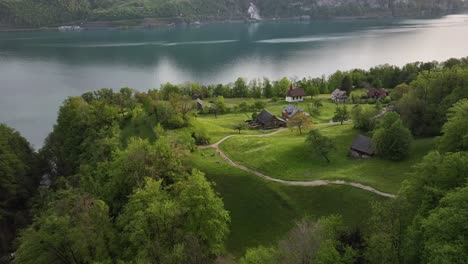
[[292, 183]]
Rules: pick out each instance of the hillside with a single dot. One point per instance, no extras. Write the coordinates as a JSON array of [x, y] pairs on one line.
[[37, 13]]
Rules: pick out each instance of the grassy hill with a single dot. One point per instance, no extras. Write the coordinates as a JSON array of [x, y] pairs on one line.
[[262, 212]]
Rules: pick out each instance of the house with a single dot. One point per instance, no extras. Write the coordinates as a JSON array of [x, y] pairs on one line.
[[199, 104], [361, 147], [195, 96], [266, 120], [339, 96], [291, 111], [376, 93], [295, 95]]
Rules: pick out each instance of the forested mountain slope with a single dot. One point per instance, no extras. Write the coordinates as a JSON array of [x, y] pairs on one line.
[[51, 12]]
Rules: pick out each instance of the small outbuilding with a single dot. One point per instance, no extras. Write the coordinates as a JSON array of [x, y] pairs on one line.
[[266, 120], [361, 147], [339, 96], [295, 95]]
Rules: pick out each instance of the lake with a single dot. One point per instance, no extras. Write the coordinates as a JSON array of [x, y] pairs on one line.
[[38, 70]]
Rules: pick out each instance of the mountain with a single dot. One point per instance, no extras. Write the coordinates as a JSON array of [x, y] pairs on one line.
[[36, 13]]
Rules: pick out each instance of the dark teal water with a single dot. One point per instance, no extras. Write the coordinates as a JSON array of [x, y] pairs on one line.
[[38, 70]]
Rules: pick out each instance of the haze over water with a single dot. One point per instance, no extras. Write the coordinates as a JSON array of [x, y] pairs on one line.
[[38, 70]]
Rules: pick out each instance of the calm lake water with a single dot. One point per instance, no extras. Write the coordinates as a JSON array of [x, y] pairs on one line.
[[38, 70]]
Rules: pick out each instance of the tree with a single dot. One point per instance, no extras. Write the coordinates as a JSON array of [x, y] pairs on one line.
[[341, 114], [320, 145], [20, 174], [186, 224], [347, 84], [240, 126], [73, 228], [267, 88], [314, 107], [392, 140], [259, 255], [281, 87], [455, 130], [363, 118], [300, 121], [218, 107], [240, 89], [444, 230]]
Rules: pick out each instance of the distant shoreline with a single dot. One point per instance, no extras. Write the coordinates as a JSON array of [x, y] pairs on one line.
[[149, 23]]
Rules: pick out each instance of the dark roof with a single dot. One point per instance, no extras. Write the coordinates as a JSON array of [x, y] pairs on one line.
[[295, 92], [363, 144], [264, 117]]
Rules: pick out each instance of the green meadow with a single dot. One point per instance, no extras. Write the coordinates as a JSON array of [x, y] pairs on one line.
[[262, 211]]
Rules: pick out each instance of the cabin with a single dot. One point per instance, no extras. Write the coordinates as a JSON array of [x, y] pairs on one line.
[[295, 95], [339, 96], [376, 93], [361, 147], [266, 120], [291, 111]]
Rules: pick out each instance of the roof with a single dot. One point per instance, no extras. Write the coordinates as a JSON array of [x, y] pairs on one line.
[[264, 117], [374, 92], [291, 110], [295, 92], [199, 101], [363, 144]]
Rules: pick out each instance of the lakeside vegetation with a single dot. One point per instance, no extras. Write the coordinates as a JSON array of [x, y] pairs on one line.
[[121, 179], [38, 13]]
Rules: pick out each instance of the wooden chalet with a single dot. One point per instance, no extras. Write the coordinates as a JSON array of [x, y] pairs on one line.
[[361, 147], [266, 120]]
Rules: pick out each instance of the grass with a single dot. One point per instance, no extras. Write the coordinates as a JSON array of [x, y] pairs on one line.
[[221, 126], [285, 156], [262, 212]]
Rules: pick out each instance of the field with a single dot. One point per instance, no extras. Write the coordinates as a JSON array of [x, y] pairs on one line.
[[222, 126], [286, 156], [262, 212]]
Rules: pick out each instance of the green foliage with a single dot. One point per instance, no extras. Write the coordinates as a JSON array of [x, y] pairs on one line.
[[72, 228], [347, 84], [363, 118], [391, 140], [423, 109], [319, 144], [112, 181], [300, 121], [281, 87], [445, 228], [19, 178], [455, 130], [186, 225], [259, 255], [341, 114]]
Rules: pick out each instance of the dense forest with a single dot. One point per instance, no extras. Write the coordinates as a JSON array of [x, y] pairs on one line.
[[113, 182], [38, 13]]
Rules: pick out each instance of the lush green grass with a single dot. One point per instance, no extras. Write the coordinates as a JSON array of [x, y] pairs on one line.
[[221, 126], [286, 156], [262, 211]]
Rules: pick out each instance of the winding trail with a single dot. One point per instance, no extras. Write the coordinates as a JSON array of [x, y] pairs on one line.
[[292, 183]]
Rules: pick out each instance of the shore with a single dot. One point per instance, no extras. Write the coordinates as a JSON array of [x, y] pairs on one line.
[[148, 23]]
